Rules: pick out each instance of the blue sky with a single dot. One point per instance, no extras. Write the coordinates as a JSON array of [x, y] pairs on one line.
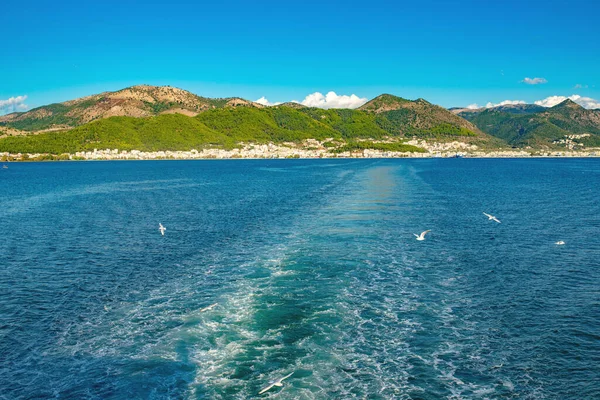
[[450, 53]]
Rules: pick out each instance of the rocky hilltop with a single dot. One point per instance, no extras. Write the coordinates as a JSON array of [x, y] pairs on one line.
[[136, 101]]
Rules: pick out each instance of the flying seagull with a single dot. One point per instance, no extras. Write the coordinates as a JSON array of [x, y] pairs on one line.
[[559, 243], [162, 229], [209, 307], [422, 235], [491, 217], [277, 382]]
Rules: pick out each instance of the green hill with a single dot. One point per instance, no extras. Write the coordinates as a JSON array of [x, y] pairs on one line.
[[419, 118], [540, 128], [149, 118], [164, 132]]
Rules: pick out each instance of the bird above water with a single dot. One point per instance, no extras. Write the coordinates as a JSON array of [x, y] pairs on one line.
[[422, 235], [559, 243], [162, 229], [277, 382], [491, 217], [209, 307]]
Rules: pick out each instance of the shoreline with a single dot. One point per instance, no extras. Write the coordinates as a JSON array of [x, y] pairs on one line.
[[174, 156], [309, 149]]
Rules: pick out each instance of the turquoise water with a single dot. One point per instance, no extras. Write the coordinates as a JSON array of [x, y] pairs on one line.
[[314, 269]]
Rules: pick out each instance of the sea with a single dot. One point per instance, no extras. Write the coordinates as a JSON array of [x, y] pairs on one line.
[[309, 267]]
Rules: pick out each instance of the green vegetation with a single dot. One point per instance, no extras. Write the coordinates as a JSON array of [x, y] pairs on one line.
[[349, 123], [223, 126], [384, 102], [159, 106], [165, 132], [419, 118], [262, 125], [52, 115], [354, 145], [540, 128]]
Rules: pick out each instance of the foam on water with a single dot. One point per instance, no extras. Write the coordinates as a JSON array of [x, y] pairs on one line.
[[313, 270]]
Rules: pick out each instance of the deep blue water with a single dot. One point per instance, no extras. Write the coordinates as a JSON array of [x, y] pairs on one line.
[[315, 269]]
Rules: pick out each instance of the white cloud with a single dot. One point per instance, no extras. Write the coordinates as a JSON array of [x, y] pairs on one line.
[[580, 86], [585, 102], [265, 102], [317, 99], [332, 100], [505, 103], [475, 106], [534, 81], [14, 104]]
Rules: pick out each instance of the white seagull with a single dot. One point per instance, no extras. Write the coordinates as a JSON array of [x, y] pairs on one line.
[[559, 243], [422, 235], [491, 217], [277, 382], [162, 229], [209, 307]]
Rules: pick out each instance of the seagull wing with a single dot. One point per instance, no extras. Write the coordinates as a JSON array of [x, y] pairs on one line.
[[487, 215], [277, 383], [285, 377], [496, 219], [266, 388], [425, 233], [415, 235]]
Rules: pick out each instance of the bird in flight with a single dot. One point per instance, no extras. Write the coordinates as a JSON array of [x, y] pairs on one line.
[[209, 307], [491, 217], [162, 229], [422, 235], [276, 382]]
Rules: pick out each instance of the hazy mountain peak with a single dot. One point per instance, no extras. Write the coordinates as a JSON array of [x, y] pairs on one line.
[[568, 103], [384, 102]]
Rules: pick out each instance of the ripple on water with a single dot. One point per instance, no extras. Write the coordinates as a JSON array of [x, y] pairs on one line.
[[313, 268]]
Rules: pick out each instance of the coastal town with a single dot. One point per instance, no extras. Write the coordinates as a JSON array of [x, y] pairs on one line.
[[308, 149]]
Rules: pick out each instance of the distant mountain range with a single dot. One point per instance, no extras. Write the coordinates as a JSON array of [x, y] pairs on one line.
[[150, 118], [535, 126]]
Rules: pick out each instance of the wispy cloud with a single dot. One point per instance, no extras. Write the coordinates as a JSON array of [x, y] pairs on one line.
[[333, 100], [580, 86], [505, 103], [585, 102], [490, 104], [551, 101], [265, 102], [13, 104], [534, 81]]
